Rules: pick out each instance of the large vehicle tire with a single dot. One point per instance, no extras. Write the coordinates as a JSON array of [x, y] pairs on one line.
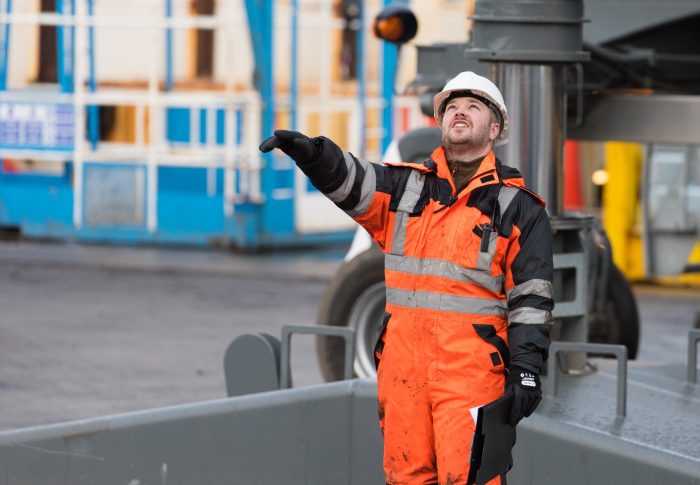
[[356, 299], [619, 322]]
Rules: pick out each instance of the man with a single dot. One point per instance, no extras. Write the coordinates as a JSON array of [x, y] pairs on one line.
[[468, 266]]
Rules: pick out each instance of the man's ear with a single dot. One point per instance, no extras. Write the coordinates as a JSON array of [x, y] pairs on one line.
[[495, 129]]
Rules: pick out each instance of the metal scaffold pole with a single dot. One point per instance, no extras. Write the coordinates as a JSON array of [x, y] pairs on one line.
[[75, 72], [361, 78], [93, 110], [294, 81], [169, 78], [65, 40], [4, 44], [390, 56]]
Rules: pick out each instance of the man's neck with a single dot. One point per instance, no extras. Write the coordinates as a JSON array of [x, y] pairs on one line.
[[460, 152], [463, 171]]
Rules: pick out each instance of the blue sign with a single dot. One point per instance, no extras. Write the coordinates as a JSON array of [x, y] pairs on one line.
[[36, 126]]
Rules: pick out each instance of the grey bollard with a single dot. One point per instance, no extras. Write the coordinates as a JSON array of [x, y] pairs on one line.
[[251, 364]]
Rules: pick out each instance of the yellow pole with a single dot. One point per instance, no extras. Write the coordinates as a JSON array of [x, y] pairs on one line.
[[623, 162]]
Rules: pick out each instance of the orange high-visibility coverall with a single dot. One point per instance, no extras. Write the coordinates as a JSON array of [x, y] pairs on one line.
[[464, 299]]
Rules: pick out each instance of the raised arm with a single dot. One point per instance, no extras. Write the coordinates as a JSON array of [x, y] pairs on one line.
[[360, 188]]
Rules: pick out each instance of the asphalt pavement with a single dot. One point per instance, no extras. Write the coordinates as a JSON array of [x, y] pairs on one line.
[[309, 264], [91, 330]]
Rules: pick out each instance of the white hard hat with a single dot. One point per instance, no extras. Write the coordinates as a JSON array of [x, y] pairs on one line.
[[469, 84]]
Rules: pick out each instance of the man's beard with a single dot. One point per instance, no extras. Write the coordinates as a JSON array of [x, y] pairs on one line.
[[475, 141]]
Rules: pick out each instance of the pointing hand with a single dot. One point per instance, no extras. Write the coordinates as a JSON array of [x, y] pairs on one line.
[[298, 146]]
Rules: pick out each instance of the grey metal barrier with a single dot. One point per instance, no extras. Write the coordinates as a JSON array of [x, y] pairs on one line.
[[693, 338], [325, 434], [288, 330], [619, 351]]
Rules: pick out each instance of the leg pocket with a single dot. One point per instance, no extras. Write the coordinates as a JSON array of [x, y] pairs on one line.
[[381, 339], [489, 335]]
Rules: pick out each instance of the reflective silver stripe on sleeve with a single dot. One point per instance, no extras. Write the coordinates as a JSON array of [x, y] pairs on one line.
[[448, 303], [367, 190], [535, 287], [342, 192], [443, 269], [409, 199], [505, 197], [529, 315]]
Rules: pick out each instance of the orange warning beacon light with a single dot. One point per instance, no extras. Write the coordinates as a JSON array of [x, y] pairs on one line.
[[395, 23]]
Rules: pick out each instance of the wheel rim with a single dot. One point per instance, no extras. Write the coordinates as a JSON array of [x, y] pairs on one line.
[[366, 317]]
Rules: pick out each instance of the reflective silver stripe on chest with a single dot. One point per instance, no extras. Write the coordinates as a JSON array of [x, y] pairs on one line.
[[407, 204], [505, 197], [448, 303], [443, 269]]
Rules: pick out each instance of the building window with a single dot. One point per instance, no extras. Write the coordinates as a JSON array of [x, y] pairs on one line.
[[204, 41], [350, 11], [48, 65]]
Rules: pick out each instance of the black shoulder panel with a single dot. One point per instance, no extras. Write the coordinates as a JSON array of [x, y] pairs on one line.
[[383, 175], [439, 189], [483, 198], [506, 172], [399, 178], [520, 208]]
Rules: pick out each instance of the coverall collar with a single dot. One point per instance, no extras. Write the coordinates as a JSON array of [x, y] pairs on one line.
[[485, 175]]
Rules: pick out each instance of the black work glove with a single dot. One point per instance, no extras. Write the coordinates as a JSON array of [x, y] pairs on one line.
[[527, 393], [298, 146]]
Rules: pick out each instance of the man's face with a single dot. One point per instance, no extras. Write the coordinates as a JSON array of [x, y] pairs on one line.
[[467, 121]]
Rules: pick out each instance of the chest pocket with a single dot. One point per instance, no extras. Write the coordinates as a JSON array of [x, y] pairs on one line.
[[489, 234], [407, 204]]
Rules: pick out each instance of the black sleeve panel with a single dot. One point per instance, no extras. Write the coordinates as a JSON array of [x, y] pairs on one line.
[[534, 258], [531, 301], [328, 171], [529, 342], [529, 345]]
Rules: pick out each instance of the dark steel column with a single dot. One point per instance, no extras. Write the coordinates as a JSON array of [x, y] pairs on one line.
[[528, 44], [535, 99]]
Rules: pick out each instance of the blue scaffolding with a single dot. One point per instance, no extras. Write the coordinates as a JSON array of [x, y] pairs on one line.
[[189, 205]]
